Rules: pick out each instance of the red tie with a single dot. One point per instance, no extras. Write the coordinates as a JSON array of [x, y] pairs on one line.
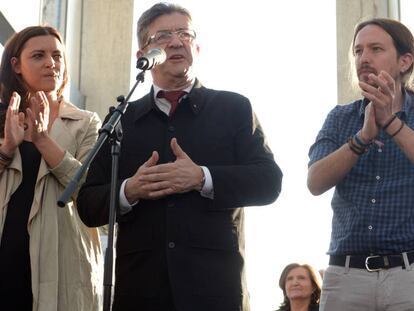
[[173, 97]]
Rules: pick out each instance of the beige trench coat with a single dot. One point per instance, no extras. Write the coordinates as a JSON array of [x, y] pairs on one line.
[[66, 257]]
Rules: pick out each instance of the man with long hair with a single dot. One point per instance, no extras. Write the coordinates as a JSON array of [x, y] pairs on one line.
[[366, 151]]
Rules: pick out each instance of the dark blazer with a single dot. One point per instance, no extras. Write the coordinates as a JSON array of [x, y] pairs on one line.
[[195, 242]]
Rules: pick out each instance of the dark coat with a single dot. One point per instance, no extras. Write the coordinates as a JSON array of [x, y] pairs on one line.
[[199, 241]]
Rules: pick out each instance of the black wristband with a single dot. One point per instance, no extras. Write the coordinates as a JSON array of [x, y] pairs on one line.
[[399, 129], [360, 142], [388, 123], [358, 150]]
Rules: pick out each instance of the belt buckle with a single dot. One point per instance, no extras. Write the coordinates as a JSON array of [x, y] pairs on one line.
[[367, 263]]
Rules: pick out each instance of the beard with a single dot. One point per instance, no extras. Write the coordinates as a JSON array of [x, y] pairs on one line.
[[363, 74]]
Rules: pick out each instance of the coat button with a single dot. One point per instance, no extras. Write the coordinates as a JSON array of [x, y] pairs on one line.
[[171, 244], [170, 204], [171, 128]]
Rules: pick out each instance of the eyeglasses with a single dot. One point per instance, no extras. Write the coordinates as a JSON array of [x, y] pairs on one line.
[[165, 36]]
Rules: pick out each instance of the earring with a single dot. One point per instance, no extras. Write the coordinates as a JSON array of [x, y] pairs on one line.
[[13, 60]]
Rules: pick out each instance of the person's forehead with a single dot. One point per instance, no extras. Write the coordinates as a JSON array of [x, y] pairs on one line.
[[43, 42], [372, 34], [298, 271], [171, 21]]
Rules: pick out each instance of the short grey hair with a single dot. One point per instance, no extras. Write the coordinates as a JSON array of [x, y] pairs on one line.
[[150, 15]]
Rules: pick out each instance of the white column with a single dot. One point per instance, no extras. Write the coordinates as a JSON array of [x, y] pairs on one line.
[[105, 59]]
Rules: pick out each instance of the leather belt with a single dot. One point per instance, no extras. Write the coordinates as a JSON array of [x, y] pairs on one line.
[[372, 263]]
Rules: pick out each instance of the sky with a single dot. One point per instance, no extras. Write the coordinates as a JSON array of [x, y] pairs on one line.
[[284, 60]]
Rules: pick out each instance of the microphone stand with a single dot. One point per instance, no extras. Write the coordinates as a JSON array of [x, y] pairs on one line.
[[113, 130]]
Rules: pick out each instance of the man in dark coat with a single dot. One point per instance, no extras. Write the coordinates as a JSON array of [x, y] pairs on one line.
[[186, 171]]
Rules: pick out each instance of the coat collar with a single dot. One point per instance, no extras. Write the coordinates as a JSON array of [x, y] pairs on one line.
[[69, 111]]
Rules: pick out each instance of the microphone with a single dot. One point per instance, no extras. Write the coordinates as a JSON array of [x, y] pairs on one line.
[[151, 59]]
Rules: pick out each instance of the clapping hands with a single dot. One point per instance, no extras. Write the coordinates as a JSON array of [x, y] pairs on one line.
[[13, 127], [38, 116]]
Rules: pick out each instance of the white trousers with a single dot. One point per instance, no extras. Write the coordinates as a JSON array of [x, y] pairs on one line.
[[349, 289]]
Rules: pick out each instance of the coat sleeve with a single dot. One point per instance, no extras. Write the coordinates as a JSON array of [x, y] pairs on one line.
[[94, 194], [70, 163], [255, 178]]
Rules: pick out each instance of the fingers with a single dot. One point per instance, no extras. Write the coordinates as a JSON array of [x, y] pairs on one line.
[[13, 127], [159, 169], [152, 160], [33, 105], [41, 97], [31, 116], [21, 119], [154, 180], [370, 128], [382, 94], [370, 110], [388, 80], [15, 102], [160, 193], [384, 84], [38, 112], [153, 177], [135, 186], [35, 126], [13, 108], [13, 114], [44, 102], [176, 149], [374, 93], [39, 103], [157, 189], [369, 119]]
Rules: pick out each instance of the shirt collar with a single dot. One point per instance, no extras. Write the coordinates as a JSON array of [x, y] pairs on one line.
[[195, 98], [162, 103], [157, 89]]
